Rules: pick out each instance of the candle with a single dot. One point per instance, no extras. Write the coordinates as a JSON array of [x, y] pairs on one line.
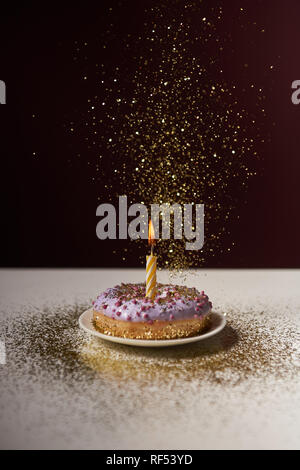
[[151, 266]]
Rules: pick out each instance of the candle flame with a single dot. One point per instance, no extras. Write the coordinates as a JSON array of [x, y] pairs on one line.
[[151, 234]]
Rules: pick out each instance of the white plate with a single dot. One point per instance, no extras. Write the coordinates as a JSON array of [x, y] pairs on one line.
[[218, 321]]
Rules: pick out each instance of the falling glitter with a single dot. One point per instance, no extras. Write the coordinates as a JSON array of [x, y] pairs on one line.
[[173, 130]]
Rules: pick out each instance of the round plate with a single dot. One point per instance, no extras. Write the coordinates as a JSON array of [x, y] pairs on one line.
[[218, 321]]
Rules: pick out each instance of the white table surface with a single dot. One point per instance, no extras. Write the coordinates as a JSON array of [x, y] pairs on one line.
[[61, 388]]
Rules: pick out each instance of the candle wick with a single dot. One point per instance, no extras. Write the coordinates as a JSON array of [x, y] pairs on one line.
[[151, 250]]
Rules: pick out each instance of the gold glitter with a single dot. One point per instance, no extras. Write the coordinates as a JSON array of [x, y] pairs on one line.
[[252, 344], [173, 130], [246, 347], [58, 379]]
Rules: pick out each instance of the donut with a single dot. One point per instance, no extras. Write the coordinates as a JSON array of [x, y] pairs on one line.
[[175, 312]]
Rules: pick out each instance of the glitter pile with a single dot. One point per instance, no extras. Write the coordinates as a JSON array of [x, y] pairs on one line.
[[61, 388], [252, 344]]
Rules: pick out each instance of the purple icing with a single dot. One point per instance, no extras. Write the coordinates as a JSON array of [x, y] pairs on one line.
[[172, 302]]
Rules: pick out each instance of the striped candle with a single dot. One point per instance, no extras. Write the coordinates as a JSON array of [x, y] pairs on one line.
[[151, 276], [151, 265]]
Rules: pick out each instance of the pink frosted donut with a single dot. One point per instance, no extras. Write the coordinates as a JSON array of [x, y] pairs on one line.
[[176, 312]]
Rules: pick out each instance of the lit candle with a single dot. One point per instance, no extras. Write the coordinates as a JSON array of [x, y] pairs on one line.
[[151, 266]]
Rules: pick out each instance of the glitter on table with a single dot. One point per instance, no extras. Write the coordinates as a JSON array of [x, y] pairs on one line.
[[62, 389]]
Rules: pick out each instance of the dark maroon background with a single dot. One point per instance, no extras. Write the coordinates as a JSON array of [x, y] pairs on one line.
[[47, 207]]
